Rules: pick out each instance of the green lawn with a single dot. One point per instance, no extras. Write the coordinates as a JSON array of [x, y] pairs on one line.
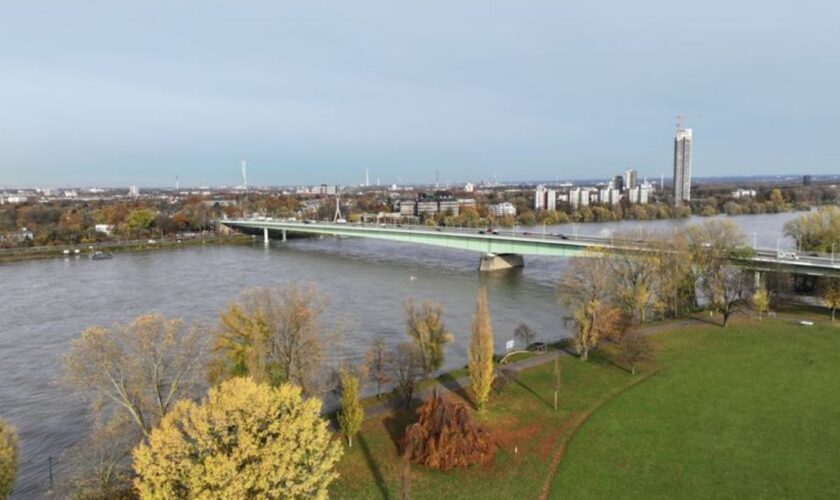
[[749, 411], [752, 411]]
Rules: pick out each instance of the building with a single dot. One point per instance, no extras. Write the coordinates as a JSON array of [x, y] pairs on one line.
[[630, 179], [639, 194], [807, 180], [408, 207], [103, 228], [682, 165], [618, 182], [505, 209], [743, 193], [539, 197], [450, 206], [133, 192], [609, 196], [545, 199], [469, 187], [578, 197], [427, 207]]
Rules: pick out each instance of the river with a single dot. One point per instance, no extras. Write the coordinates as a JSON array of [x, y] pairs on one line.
[[45, 304]]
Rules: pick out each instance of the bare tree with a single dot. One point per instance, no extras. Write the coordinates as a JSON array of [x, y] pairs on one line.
[[406, 366], [525, 334], [273, 335], [377, 361], [141, 368], [634, 274], [424, 324], [634, 348]]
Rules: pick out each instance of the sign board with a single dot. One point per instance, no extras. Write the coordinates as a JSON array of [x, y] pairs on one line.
[[509, 345]]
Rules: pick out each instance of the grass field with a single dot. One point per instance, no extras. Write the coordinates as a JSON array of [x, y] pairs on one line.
[[749, 411]]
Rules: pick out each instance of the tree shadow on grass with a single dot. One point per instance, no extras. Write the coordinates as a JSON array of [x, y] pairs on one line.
[[455, 387], [514, 377], [373, 465], [396, 423]]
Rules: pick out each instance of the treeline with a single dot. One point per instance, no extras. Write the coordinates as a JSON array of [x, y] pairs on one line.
[[183, 410]]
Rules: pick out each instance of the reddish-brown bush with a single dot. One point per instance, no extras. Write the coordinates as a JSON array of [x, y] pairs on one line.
[[445, 437]]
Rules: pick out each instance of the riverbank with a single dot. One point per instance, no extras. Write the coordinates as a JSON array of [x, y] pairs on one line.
[[616, 434], [114, 247]]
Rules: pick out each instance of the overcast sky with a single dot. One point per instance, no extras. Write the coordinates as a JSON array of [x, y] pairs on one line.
[[117, 93]]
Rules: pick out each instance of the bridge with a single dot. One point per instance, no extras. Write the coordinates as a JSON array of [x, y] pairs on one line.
[[503, 249]]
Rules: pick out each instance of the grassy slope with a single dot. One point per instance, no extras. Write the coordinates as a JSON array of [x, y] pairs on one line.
[[750, 411], [522, 416]]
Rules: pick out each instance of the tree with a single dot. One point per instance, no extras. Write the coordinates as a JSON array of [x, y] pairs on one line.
[[481, 352], [761, 301], [816, 231], [634, 275], [830, 295], [272, 335], [245, 440], [525, 334], [634, 348], [141, 368], [425, 326], [351, 415], [713, 245], [139, 220], [377, 360], [585, 291], [8, 458], [444, 437], [406, 366]]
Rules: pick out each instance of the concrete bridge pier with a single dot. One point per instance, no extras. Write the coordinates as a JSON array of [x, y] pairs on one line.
[[500, 262], [284, 235], [265, 236], [757, 280]]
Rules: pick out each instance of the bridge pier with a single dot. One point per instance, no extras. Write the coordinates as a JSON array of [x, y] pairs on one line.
[[500, 262], [284, 235], [265, 236], [757, 280]]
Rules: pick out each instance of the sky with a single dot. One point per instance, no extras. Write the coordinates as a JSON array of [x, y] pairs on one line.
[[134, 93]]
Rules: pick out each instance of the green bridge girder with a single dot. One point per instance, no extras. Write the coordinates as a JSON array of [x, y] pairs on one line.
[[519, 244]]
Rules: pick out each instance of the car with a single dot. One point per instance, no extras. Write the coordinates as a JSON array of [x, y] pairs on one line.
[[481, 231], [526, 233], [495, 231]]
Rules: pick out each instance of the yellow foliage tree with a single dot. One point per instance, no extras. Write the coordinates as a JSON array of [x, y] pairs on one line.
[[481, 352], [8, 458], [761, 301], [351, 415], [245, 440]]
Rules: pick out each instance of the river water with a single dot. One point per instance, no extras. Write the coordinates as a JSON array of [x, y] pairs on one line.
[[45, 304]]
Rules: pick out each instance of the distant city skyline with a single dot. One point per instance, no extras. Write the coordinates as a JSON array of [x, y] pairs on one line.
[[115, 94]]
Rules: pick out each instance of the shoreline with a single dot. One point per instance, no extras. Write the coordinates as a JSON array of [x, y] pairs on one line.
[[24, 254]]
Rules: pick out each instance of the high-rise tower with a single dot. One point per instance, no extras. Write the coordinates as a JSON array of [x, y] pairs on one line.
[[682, 164], [244, 174]]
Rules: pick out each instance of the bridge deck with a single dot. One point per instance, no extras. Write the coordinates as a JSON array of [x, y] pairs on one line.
[[522, 243]]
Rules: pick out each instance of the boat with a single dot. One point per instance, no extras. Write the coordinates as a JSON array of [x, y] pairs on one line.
[[101, 255]]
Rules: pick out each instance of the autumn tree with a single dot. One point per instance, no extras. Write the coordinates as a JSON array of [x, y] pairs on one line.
[[406, 367], [445, 437], [481, 352], [633, 349], [675, 273], [8, 459], [816, 231], [351, 414], [273, 335], [830, 294], [245, 440], [634, 275], [376, 362], [140, 368], [761, 301], [585, 291], [424, 324], [525, 334], [714, 247]]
